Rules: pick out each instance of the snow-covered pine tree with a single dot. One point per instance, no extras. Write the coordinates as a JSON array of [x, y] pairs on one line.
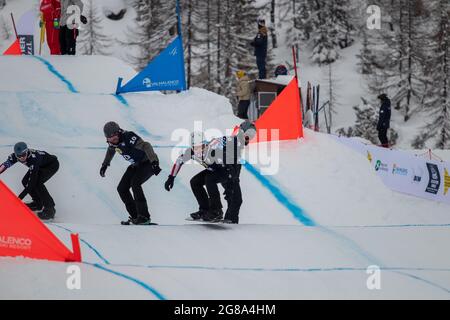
[[366, 124], [396, 55], [437, 98], [92, 40]]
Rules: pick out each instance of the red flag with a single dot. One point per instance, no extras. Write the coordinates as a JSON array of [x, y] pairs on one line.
[[14, 49], [283, 115], [23, 234]]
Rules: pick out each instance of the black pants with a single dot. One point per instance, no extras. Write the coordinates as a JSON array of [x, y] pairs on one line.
[[208, 199], [261, 63], [233, 194], [68, 40], [134, 177], [243, 109], [39, 193], [382, 135]]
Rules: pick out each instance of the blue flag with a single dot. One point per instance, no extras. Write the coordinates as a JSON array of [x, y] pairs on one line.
[[165, 72]]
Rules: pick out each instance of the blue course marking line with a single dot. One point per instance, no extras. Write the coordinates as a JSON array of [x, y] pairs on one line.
[[53, 70], [96, 265], [297, 211], [153, 291], [282, 198]]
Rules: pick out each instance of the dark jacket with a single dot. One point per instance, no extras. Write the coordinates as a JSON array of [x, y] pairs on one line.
[[132, 148], [260, 43], [385, 114], [35, 161]]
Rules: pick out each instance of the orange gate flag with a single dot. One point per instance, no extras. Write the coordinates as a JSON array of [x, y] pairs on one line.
[[14, 49], [283, 115], [22, 234]]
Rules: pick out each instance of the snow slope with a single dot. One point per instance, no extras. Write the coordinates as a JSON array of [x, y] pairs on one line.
[[309, 231]]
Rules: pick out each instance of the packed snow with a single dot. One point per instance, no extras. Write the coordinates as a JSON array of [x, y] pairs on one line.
[[311, 230]]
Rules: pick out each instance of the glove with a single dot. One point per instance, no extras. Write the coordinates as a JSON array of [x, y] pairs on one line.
[[83, 19], [56, 23], [169, 183], [103, 170], [155, 167]]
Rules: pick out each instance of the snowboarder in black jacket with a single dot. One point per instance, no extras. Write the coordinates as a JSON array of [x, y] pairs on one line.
[[144, 164], [384, 120], [260, 44], [42, 166]]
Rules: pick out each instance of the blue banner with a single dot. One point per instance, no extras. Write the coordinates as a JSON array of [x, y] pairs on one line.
[[165, 72]]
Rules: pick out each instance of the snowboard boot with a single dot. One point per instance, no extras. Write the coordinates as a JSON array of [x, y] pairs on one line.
[[47, 214], [198, 215], [129, 221], [34, 206], [142, 221], [213, 215], [228, 221]]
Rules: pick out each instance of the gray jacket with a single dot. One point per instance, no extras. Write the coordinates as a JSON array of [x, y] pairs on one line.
[[65, 16]]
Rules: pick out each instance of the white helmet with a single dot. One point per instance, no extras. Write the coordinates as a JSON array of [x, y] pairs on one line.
[[197, 138], [248, 130]]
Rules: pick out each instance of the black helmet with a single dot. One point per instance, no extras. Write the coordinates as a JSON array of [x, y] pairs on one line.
[[382, 96], [110, 129], [281, 70], [20, 148], [249, 129]]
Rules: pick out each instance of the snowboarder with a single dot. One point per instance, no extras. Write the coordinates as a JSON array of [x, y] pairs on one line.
[[51, 14], [243, 94], [384, 120], [144, 164], [221, 166], [232, 186], [260, 44], [42, 166], [69, 27]]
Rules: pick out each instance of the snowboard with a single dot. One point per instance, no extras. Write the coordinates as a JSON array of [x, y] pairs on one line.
[[128, 223]]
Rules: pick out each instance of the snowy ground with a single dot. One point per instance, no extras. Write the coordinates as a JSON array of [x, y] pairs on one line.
[[309, 231]]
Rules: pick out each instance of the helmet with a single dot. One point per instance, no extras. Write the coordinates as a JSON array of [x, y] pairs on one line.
[[240, 73], [248, 128], [261, 22], [281, 70], [197, 138], [110, 129], [20, 148], [382, 96]]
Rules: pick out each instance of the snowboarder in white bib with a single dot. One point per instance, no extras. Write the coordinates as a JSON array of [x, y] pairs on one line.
[[220, 157], [144, 164]]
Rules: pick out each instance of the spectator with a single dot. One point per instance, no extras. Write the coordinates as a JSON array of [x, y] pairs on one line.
[[384, 120], [243, 94], [69, 26], [260, 44], [51, 13]]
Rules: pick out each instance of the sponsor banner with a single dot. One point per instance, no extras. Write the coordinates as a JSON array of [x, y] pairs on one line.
[[27, 44], [405, 172], [164, 72]]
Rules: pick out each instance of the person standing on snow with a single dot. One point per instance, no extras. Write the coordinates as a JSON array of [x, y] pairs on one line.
[[220, 158], [42, 166], [69, 25], [260, 44], [243, 93], [51, 14], [144, 164], [384, 120]]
